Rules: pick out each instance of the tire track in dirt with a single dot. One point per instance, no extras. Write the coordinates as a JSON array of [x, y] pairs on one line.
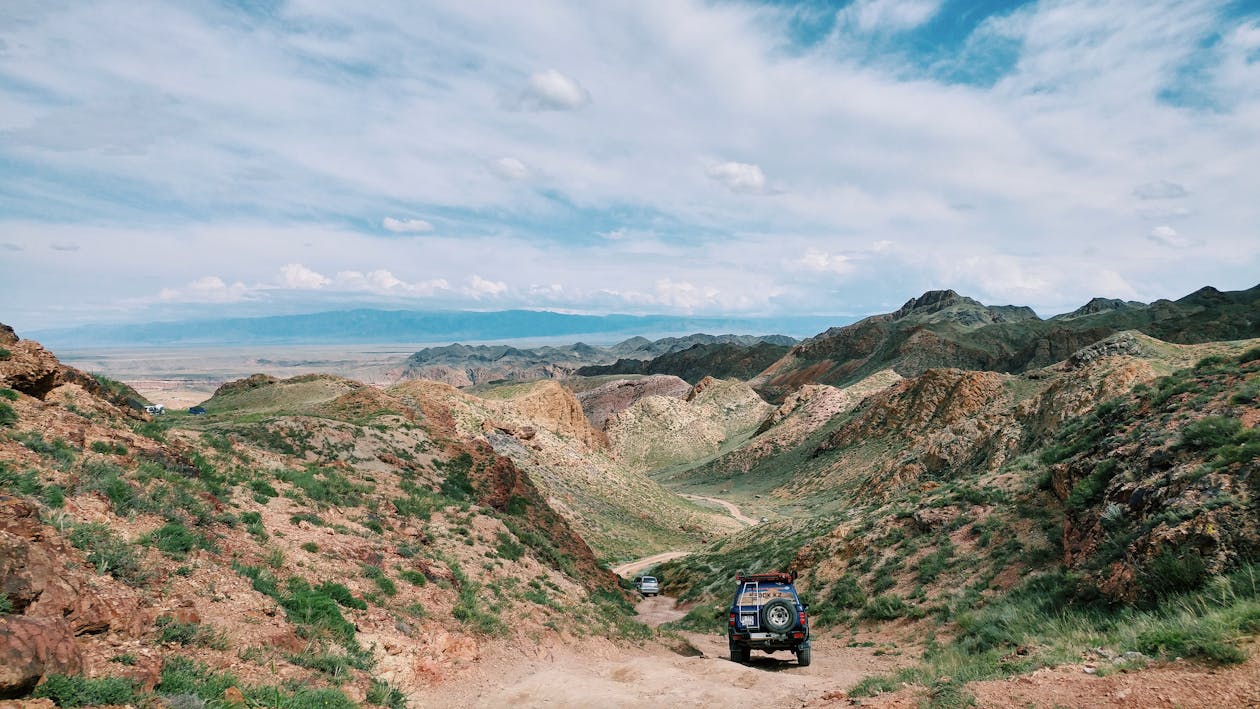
[[730, 507]]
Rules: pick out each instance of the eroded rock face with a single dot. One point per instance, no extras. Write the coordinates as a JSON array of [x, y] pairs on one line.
[[31, 649], [30, 369], [34, 577], [603, 402]]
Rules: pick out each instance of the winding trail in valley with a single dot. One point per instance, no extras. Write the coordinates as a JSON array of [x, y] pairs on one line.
[[630, 568], [730, 507]]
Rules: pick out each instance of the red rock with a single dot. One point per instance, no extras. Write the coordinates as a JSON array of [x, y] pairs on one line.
[[31, 648]]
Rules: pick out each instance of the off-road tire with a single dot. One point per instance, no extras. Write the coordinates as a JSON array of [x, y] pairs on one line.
[[778, 615], [739, 653], [803, 655]]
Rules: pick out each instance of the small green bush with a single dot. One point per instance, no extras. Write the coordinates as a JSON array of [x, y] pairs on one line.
[[339, 593], [79, 691], [177, 541], [509, 548], [5, 354], [885, 607], [383, 694], [311, 547], [8, 417], [413, 577], [108, 448], [109, 553], [7, 393], [264, 488], [1209, 432]]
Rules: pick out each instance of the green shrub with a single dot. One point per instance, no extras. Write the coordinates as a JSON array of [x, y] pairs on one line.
[[176, 541], [108, 448], [341, 594], [508, 548], [8, 417], [174, 631], [264, 488], [1192, 641], [1211, 361], [885, 607], [79, 691], [1209, 432], [314, 608], [58, 450], [458, 484], [181, 675], [5, 354], [383, 694], [1170, 572], [311, 547], [414, 577], [1090, 489], [7, 393], [383, 582], [109, 553]]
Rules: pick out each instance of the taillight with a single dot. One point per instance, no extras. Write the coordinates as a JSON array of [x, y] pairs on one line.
[[802, 617], [731, 622]]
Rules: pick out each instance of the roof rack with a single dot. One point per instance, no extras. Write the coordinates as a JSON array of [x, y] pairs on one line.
[[773, 576]]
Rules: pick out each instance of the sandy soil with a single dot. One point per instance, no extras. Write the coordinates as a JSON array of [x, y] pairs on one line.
[[694, 673]]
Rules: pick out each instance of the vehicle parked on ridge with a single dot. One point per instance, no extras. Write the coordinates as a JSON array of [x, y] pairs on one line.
[[767, 614]]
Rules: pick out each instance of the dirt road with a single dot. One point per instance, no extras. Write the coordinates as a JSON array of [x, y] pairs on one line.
[[594, 672], [631, 568], [730, 507]]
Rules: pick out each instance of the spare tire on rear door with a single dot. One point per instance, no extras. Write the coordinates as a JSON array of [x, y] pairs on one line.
[[778, 615]]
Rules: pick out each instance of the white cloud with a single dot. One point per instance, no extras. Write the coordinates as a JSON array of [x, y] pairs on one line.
[[739, 177], [889, 15], [10, 246], [1168, 236], [510, 169], [1160, 189], [823, 262], [207, 289], [297, 276], [406, 226], [552, 91], [479, 287], [383, 282], [63, 246]]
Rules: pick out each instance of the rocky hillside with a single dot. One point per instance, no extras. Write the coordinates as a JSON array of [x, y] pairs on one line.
[[719, 360], [944, 329], [468, 365], [308, 542], [1104, 505], [659, 431]]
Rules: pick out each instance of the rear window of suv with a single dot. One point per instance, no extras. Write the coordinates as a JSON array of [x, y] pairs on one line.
[[757, 594]]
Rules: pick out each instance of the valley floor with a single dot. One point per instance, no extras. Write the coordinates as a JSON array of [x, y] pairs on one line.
[[695, 672]]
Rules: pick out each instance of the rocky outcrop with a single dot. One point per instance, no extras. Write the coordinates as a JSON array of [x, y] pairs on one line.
[[33, 648], [602, 402], [35, 578], [658, 431]]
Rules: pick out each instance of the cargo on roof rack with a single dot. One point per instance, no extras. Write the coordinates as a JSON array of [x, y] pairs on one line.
[[773, 576]]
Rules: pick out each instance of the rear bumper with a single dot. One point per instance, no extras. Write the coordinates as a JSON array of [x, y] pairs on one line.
[[770, 641]]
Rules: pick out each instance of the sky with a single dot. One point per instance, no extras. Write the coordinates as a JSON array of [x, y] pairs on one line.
[[164, 160]]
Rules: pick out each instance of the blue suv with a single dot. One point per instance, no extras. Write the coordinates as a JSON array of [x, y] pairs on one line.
[[767, 614]]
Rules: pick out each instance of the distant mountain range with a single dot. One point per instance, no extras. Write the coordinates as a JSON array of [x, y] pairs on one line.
[[395, 326]]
